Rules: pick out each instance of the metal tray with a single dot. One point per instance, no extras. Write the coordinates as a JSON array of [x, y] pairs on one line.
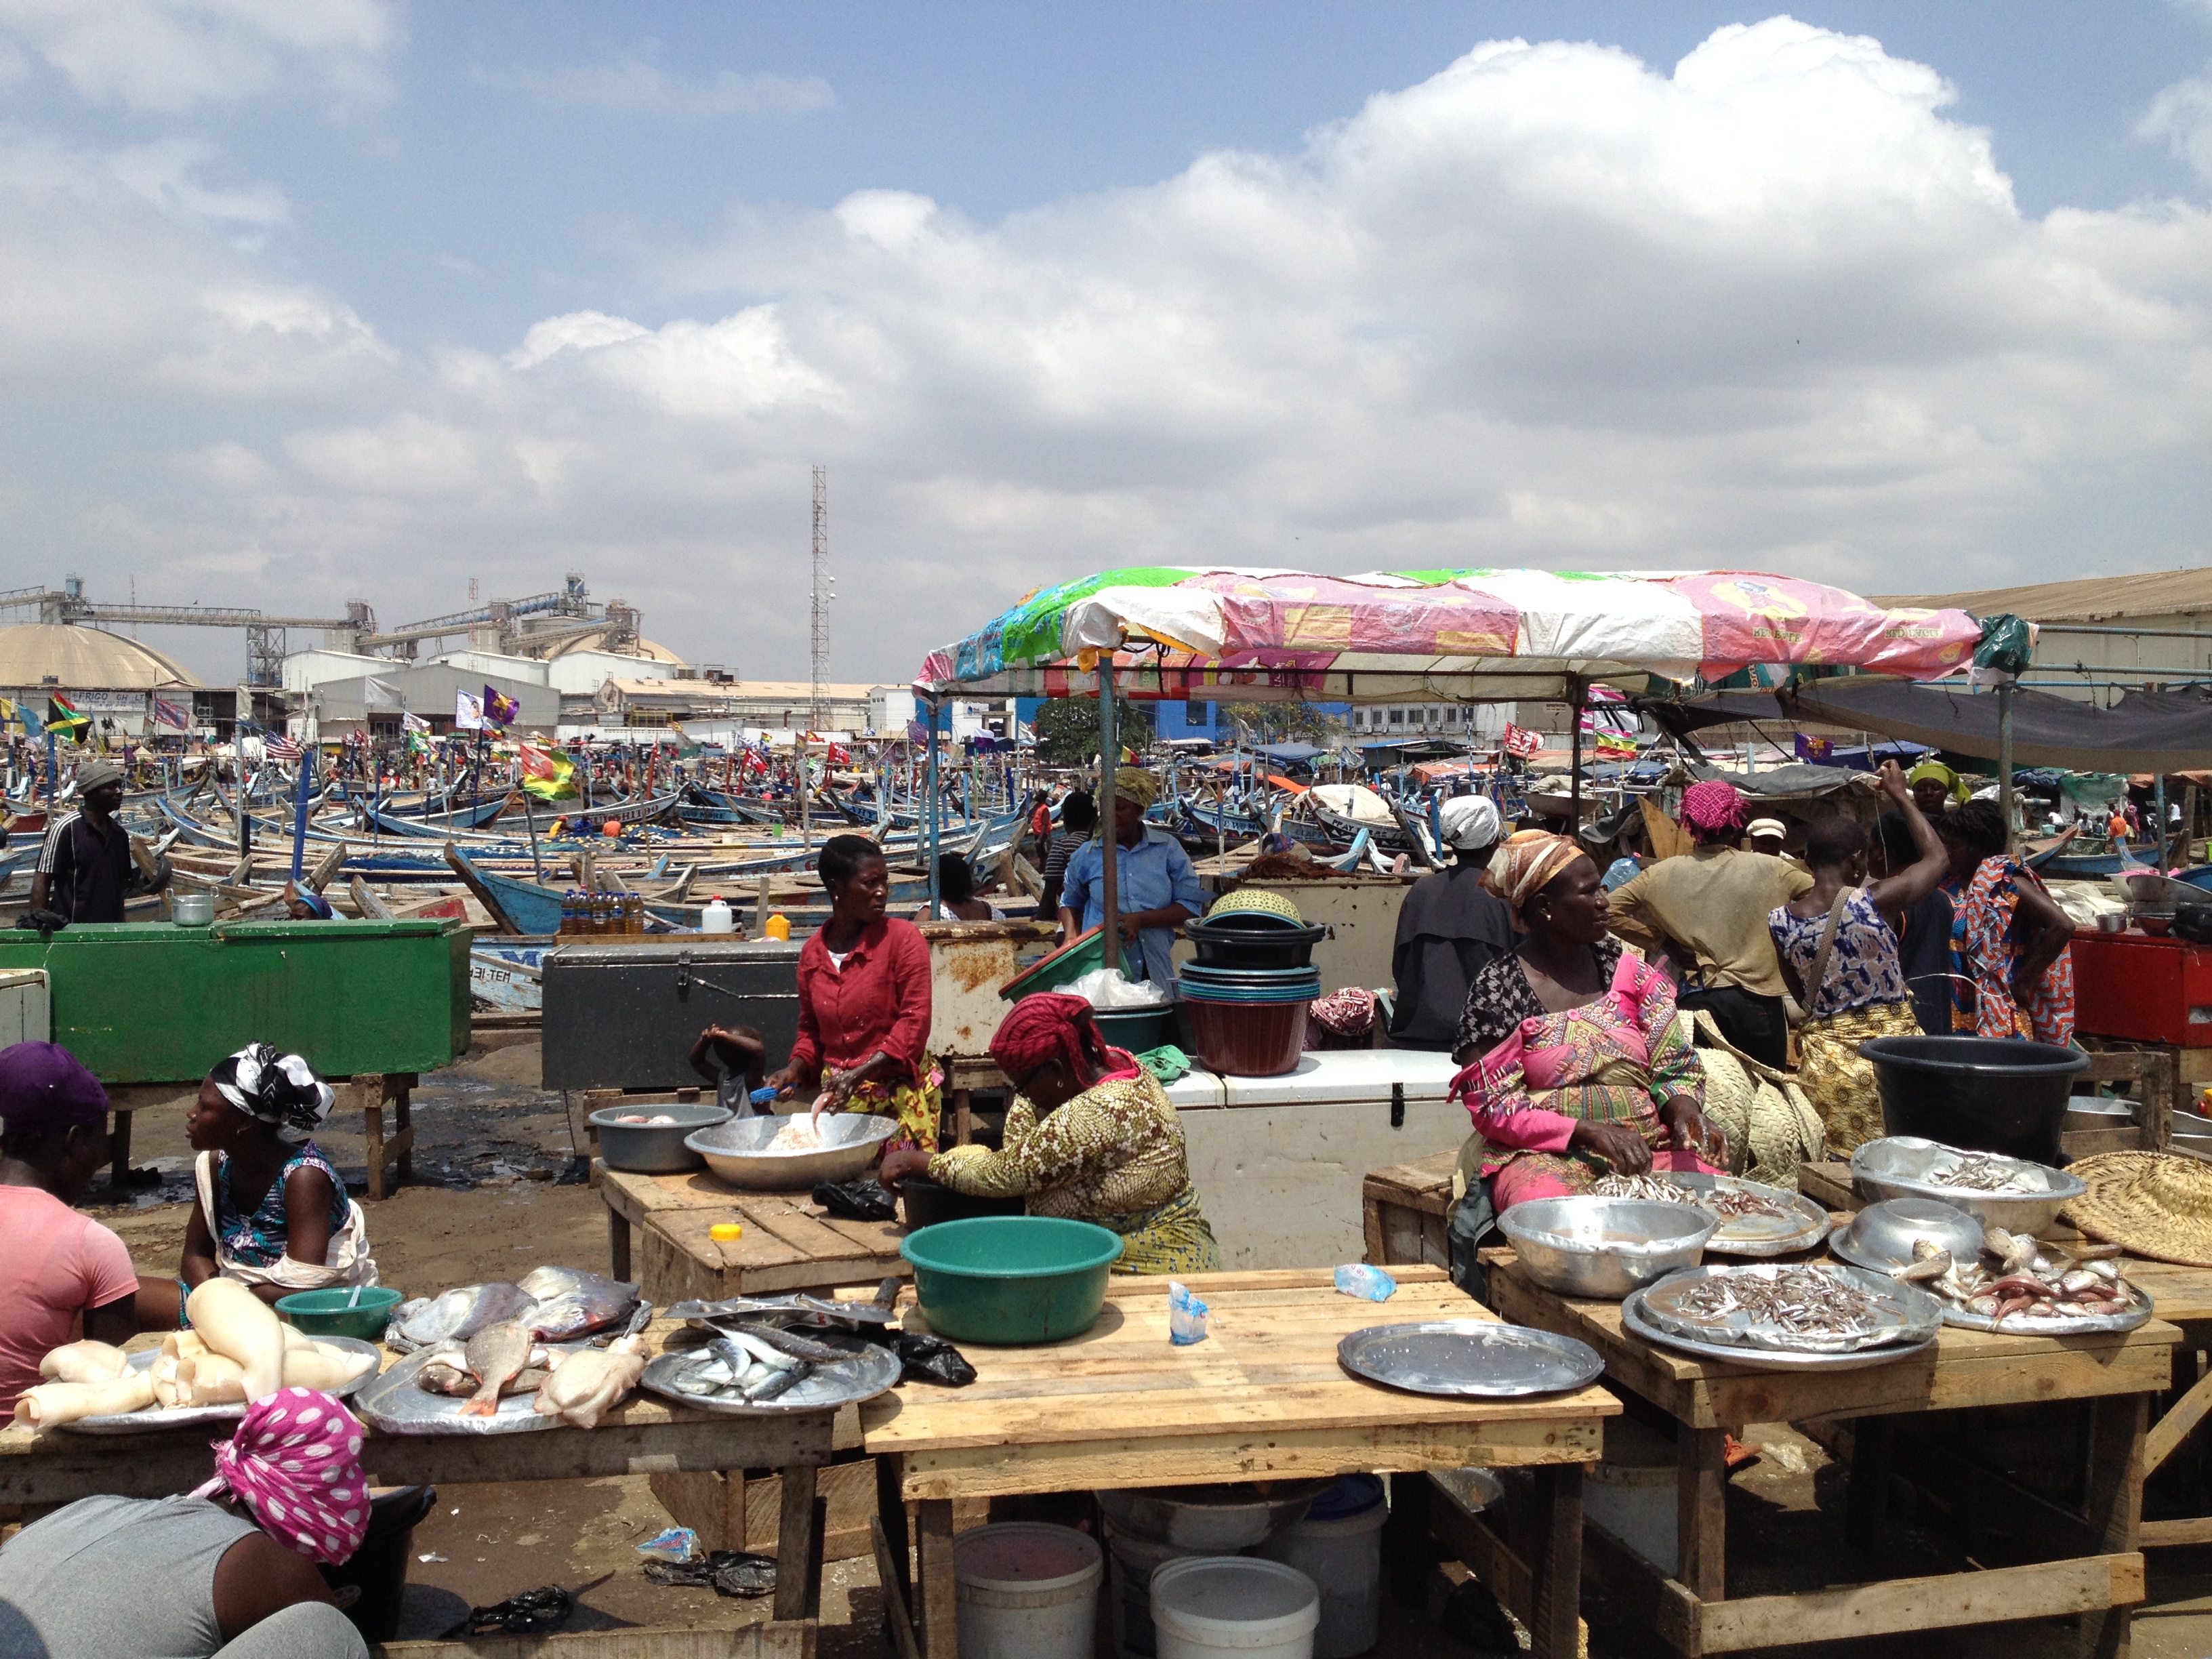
[[872, 1370], [154, 1418], [1909, 1313], [1897, 1166], [1477, 1358], [2014, 1324], [393, 1405], [1763, 1359], [1802, 1225]]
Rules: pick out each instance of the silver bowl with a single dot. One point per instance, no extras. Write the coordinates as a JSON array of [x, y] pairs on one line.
[[654, 1148], [851, 1143], [1898, 1166], [2083, 1113], [1886, 1232], [1602, 1248], [1210, 1520]]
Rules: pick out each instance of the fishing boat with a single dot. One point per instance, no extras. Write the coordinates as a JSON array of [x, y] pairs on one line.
[[434, 825]]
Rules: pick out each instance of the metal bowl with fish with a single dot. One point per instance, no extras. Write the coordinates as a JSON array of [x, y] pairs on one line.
[[1997, 1191], [1602, 1249], [738, 1151], [1880, 1237]]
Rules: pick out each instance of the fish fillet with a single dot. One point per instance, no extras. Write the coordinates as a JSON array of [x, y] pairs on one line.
[[590, 1383], [50, 1404], [83, 1362]]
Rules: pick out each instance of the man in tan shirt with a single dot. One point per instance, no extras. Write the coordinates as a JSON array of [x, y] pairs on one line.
[[1709, 909]]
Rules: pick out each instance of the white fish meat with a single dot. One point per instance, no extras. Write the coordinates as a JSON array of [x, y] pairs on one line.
[[590, 1383]]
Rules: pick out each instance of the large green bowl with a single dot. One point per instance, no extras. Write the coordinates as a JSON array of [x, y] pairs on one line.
[[1011, 1278], [325, 1313]]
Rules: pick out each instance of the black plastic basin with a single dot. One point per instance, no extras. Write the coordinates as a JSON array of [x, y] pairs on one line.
[[924, 1203], [1982, 1093], [1281, 946]]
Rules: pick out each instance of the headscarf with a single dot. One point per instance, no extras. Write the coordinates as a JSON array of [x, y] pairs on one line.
[[317, 904], [1713, 805], [1941, 774], [46, 1090], [1470, 821], [279, 1090], [295, 1462], [1526, 864], [1136, 784], [1049, 1026]]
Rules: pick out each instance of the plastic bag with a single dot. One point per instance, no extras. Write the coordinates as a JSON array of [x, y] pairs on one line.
[[1187, 1317], [931, 1360], [676, 1544], [857, 1200], [1106, 988], [737, 1573], [1358, 1278], [533, 1613]]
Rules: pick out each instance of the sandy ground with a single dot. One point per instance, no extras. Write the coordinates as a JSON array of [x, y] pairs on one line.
[[490, 1201]]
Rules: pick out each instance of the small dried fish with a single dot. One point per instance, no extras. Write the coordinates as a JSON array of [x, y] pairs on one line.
[[1808, 1301], [1982, 1172], [1728, 1202], [1655, 1188]]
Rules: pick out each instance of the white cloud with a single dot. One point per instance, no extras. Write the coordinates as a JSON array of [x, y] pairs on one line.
[[170, 57], [168, 172], [636, 84], [2181, 116], [1552, 306]]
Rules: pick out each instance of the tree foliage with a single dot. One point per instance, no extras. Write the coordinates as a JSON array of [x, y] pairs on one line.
[[1067, 730]]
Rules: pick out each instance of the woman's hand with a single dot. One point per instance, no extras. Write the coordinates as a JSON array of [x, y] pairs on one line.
[[1615, 1143], [901, 1161], [785, 1082], [1689, 1131], [1889, 778]]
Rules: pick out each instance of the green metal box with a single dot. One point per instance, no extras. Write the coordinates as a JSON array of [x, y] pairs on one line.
[[148, 1002]]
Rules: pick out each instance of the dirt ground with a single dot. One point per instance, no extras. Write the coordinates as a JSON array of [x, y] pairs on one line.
[[497, 1191]]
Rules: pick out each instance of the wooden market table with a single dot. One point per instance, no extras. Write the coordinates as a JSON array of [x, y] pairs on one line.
[[661, 1226], [644, 1436], [2099, 1577], [1263, 1398]]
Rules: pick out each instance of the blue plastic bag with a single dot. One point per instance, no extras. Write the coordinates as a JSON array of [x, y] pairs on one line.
[[1358, 1278], [1187, 1317]]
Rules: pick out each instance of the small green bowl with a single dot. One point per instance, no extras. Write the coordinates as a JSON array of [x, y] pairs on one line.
[[1011, 1278], [325, 1313]]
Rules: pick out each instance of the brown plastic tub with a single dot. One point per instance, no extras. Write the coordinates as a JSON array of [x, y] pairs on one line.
[[1248, 1039]]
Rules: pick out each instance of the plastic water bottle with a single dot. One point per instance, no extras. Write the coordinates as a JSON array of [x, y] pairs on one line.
[[716, 917], [1359, 1279]]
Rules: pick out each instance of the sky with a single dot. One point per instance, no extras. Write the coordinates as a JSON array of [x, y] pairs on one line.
[[306, 300]]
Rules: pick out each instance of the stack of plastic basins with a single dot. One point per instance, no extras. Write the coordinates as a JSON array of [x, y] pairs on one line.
[[1245, 996]]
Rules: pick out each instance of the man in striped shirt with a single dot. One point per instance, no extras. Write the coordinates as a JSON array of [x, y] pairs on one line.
[[85, 869]]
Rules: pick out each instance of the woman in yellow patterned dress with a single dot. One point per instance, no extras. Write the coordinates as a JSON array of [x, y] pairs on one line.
[[1092, 1136]]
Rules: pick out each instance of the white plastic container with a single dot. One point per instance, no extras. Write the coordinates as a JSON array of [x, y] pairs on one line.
[[1131, 1561], [1340, 1546], [717, 917], [1214, 1605], [1026, 1591]]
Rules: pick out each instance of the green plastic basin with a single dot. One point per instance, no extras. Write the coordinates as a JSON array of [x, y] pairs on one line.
[[325, 1313], [1011, 1278]]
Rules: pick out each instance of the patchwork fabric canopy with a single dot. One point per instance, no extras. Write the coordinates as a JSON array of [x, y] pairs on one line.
[[1246, 635]]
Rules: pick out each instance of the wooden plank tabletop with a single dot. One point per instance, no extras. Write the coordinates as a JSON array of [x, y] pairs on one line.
[[1263, 1397], [1965, 1368], [643, 1436], [1422, 1183], [789, 1242]]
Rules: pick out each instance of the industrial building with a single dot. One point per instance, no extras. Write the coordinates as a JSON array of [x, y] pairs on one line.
[[2153, 629], [115, 679]]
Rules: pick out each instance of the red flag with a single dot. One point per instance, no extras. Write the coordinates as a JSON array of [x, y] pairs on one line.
[[1520, 741]]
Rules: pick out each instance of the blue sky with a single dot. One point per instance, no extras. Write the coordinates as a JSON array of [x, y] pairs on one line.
[[414, 190]]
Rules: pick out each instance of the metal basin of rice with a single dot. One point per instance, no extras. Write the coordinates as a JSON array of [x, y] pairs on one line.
[[735, 1152]]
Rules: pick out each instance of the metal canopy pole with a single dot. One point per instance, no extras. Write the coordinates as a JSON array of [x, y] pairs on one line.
[[2004, 763], [1575, 689], [1109, 753], [935, 819], [300, 810]]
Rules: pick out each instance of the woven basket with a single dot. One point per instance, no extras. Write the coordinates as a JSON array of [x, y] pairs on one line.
[[2152, 1204]]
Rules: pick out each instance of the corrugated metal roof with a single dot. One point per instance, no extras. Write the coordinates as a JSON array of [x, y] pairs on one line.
[[2091, 599]]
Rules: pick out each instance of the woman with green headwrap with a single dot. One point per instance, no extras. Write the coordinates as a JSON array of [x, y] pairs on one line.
[[1156, 889]]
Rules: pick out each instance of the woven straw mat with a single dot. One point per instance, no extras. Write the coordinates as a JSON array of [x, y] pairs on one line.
[[2154, 1204]]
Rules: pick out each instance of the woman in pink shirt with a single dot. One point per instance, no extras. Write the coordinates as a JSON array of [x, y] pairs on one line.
[[55, 1265]]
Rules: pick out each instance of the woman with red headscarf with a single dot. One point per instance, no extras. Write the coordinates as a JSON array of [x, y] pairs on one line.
[[1091, 1136]]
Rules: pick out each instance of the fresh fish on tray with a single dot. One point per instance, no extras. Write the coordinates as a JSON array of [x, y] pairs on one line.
[[1806, 1308], [2021, 1285], [457, 1316], [571, 1302]]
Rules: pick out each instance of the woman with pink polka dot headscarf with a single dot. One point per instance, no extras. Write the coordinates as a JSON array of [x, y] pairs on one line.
[[229, 1571]]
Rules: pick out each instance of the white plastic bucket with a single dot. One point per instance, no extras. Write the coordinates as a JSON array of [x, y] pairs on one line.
[[1131, 1561], [1340, 1546], [1026, 1591], [1212, 1605]]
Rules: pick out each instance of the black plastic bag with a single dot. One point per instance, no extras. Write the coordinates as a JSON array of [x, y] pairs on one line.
[[727, 1572], [533, 1613], [2193, 923], [931, 1360], [857, 1200]]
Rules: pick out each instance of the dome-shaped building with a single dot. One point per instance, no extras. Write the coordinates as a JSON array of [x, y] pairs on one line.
[[105, 675]]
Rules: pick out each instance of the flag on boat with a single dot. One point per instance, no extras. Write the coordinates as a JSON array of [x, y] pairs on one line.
[[1519, 740], [499, 708], [10, 714], [378, 694], [412, 722], [174, 715], [278, 747], [1615, 746], [417, 743], [61, 716], [468, 711], [547, 775], [840, 755]]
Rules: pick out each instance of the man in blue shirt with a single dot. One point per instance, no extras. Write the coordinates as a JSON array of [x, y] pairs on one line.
[[1157, 890]]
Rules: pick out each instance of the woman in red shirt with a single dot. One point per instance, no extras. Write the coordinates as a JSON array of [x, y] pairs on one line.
[[864, 1002]]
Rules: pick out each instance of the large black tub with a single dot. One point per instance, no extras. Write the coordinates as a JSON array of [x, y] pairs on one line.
[[1981, 1093]]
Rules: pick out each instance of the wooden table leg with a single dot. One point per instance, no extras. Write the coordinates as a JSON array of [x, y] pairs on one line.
[[939, 1612], [118, 1151], [1408, 1552], [617, 1244], [404, 1109], [1701, 1512], [369, 1091], [1866, 1515], [891, 1512], [798, 1555], [2112, 1506], [963, 1117], [1555, 1562]]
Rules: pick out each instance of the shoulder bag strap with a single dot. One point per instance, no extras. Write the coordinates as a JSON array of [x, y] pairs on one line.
[[1819, 975]]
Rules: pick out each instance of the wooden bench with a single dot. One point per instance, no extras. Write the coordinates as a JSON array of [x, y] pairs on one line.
[[1405, 1211]]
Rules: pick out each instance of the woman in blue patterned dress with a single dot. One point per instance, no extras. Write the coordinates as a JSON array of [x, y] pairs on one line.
[[1863, 992]]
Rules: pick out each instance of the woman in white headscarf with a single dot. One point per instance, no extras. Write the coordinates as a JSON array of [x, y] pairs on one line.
[[1449, 927], [272, 1212]]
